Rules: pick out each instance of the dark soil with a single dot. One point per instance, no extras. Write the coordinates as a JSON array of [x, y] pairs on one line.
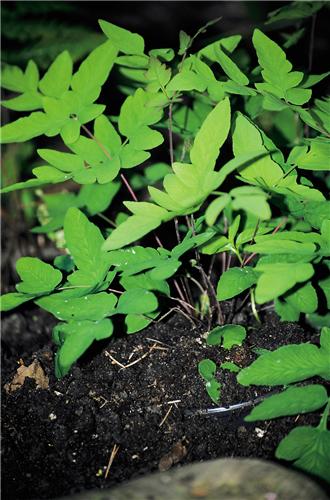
[[59, 441]]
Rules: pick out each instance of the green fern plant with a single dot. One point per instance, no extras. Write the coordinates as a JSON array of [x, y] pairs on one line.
[[260, 206]]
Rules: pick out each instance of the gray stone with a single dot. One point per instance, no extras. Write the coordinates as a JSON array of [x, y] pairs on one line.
[[225, 479]]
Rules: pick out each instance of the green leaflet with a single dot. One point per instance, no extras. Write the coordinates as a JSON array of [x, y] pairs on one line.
[[207, 369], [13, 78], [65, 162], [292, 401], [147, 217], [309, 447], [25, 102], [97, 165], [87, 307], [135, 61], [124, 40], [94, 71], [157, 75], [190, 184], [166, 54], [229, 67], [54, 210], [31, 183], [98, 197], [187, 80], [84, 241], [278, 278], [228, 43], [136, 322], [325, 286], [11, 300], [185, 41], [310, 80], [215, 208], [134, 259], [66, 115], [316, 212], [276, 71], [247, 138], [318, 156], [26, 83], [252, 200], [58, 77], [213, 388], [233, 229], [293, 236], [137, 301], [227, 335], [304, 299], [278, 246], [144, 281], [285, 311], [74, 338], [325, 339], [37, 276], [210, 138], [159, 263], [286, 365], [234, 281], [25, 128], [294, 11], [64, 263], [232, 367], [136, 116]]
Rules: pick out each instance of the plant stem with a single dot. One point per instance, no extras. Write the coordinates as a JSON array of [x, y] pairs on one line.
[[210, 287], [127, 184], [223, 258], [170, 131], [185, 304], [197, 283], [253, 306], [228, 262], [311, 44], [109, 221], [176, 227], [211, 266]]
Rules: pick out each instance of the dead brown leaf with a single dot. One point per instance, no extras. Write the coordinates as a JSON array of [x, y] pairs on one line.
[[175, 455], [35, 371]]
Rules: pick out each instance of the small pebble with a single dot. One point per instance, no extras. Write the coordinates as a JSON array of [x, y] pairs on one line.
[[260, 432]]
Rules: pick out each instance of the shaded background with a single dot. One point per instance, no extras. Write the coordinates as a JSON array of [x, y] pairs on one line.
[[39, 30]]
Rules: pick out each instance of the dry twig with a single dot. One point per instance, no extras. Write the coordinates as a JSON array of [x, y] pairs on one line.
[[114, 361], [113, 454], [166, 416]]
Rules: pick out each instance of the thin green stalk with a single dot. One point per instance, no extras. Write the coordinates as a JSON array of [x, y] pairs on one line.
[[109, 221]]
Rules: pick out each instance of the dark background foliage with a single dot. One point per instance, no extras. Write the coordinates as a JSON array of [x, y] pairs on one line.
[[39, 29]]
